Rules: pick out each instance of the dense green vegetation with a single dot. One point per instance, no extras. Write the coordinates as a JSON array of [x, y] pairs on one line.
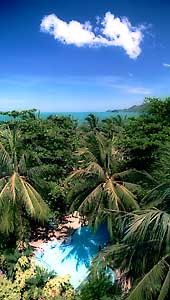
[[115, 170]]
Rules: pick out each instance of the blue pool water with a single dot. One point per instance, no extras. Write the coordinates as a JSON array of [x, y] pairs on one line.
[[75, 256]]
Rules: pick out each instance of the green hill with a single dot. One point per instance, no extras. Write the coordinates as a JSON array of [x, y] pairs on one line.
[[135, 108]]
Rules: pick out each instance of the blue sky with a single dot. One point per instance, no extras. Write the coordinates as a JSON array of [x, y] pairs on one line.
[[74, 55]]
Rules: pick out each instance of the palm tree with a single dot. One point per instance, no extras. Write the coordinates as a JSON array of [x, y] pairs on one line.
[[114, 125], [17, 195], [143, 255], [150, 230], [159, 196], [93, 122], [98, 186]]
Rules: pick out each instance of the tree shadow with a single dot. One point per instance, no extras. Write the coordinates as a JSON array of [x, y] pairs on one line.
[[85, 244], [46, 234]]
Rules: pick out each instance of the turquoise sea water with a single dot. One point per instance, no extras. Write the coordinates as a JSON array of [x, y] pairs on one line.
[[74, 257], [80, 116]]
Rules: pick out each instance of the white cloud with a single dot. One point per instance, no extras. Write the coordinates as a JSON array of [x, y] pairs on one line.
[[139, 91], [122, 33], [110, 31], [68, 33], [166, 65], [135, 90]]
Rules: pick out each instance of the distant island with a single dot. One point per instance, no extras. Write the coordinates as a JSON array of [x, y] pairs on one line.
[[135, 108]]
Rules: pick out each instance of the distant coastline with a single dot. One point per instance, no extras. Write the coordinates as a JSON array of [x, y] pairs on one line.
[[133, 109]]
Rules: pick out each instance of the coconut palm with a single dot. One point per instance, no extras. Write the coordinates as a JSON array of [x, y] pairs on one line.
[[98, 186], [114, 125], [159, 196], [17, 195], [92, 122], [143, 255], [150, 229]]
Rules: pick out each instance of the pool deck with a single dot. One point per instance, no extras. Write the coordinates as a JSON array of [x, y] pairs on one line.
[[64, 230]]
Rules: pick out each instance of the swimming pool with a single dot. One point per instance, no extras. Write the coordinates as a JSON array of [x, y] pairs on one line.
[[74, 257]]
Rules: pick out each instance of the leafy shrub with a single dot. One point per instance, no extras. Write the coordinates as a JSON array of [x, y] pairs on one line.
[[32, 282], [8, 260], [98, 288], [9, 290], [59, 286]]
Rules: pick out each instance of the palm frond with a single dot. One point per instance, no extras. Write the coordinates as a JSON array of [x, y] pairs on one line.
[[165, 287], [80, 191], [127, 197], [85, 152], [96, 188], [136, 177], [7, 218], [4, 192], [98, 146], [3, 181], [22, 167], [88, 202], [147, 286], [150, 224], [114, 200], [133, 187], [33, 201], [17, 196], [5, 160], [12, 186], [78, 174], [157, 195], [93, 169], [96, 169]]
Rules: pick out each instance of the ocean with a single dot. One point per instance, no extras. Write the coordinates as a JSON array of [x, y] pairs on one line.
[[80, 116]]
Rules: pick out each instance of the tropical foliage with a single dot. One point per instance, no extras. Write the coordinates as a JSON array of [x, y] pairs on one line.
[[92, 122], [98, 185], [143, 253], [99, 288], [17, 195], [89, 167], [35, 283]]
